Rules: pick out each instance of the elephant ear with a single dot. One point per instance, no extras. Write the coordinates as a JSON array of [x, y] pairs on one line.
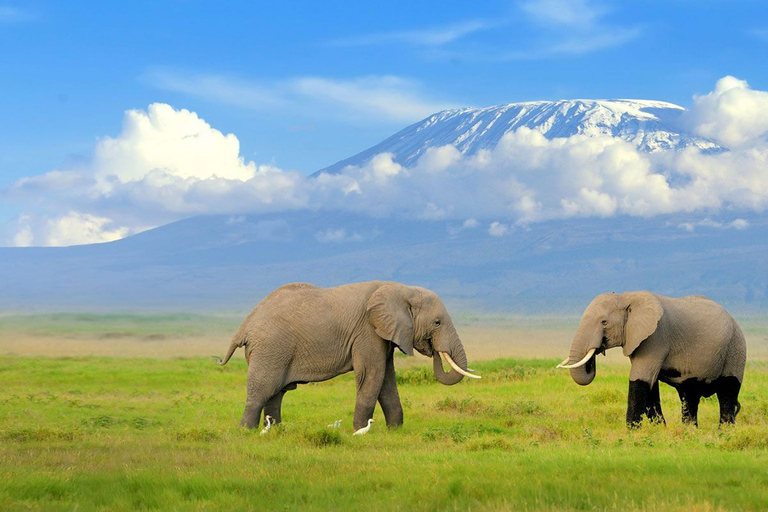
[[390, 312], [643, 314]]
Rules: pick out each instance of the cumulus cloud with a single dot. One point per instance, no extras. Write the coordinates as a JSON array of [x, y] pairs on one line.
[[73, 228], [165, 164], [176, 142], [168, 164], [732, 114]]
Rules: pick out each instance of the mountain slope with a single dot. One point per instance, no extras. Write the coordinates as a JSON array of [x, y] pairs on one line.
[[230, 263], [650, 125]]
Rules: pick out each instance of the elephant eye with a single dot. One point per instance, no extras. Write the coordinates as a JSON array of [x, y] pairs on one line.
[[604, 322], [437, 322]]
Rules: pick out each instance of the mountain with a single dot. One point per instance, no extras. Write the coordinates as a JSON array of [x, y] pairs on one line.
[[650, 125], [229, 262]]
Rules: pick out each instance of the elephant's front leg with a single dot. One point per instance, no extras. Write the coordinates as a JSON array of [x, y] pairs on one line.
[[654, 405], [389, 398], [642, 400], [370, 368]]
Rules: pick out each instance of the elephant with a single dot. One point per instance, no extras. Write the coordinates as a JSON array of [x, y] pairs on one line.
[[690, 343], [302, 333]]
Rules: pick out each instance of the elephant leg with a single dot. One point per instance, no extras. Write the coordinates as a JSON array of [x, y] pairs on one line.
[[389, 398], [272, 408], [369, 377], [689, 397], [260, 390], [728, 395], [274, 405], [653, 410], [638, 401]]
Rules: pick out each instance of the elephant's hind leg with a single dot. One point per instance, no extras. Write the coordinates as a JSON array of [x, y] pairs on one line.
[[261, 387], [274, 405], [690, 395], [728, 395]]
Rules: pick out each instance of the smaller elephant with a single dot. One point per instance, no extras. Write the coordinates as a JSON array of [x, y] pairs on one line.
[[301, 333], [690, 343]]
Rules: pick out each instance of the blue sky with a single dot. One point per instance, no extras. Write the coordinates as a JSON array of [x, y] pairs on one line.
[[305, 84]]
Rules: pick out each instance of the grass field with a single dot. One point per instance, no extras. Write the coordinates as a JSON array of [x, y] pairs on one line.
[[158, 430]]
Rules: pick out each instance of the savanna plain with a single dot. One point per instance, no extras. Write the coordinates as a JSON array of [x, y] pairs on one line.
[[131, 412]]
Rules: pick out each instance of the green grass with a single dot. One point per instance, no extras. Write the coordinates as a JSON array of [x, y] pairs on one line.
[[145, 434]]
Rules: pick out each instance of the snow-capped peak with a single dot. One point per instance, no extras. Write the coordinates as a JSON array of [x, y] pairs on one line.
[[650, 125]]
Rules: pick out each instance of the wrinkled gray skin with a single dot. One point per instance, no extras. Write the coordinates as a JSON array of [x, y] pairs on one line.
[[301, 333], [691, 343]]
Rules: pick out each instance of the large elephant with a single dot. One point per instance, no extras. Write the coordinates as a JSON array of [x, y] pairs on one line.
[[302, 333], [691, 343]]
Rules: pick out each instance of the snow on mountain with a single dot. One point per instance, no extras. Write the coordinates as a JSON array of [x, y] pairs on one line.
[[650, 125]]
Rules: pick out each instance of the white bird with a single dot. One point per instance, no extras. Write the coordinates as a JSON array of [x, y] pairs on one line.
[[364, 429], [335, 424], [270, 421]]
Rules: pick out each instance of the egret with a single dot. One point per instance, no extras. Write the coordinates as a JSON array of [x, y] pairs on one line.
[[364, 429], [270, 421], [335, 424]]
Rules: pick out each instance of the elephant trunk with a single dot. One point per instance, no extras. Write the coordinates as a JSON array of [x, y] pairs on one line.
[[586, 341], [457, 354]]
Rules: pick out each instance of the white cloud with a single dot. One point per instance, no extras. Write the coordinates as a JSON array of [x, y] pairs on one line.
[[497, 229], [367, 99], [149, 174], [732, 113], [176, 142], [434, 36], [337, 235], [569, 13], [570, 27], [73, 228], [738, 224], [164, 165]]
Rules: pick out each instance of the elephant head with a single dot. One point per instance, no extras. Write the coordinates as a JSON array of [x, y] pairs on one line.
[[611, 320], [413, 317]]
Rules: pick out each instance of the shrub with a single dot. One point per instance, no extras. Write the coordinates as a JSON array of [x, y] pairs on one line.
[[324, 437]]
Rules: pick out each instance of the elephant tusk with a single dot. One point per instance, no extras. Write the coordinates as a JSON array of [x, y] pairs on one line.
[[587, 357], [565, 361], [456, 367]]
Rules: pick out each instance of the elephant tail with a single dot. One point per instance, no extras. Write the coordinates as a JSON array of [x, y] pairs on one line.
[[237, 341]]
